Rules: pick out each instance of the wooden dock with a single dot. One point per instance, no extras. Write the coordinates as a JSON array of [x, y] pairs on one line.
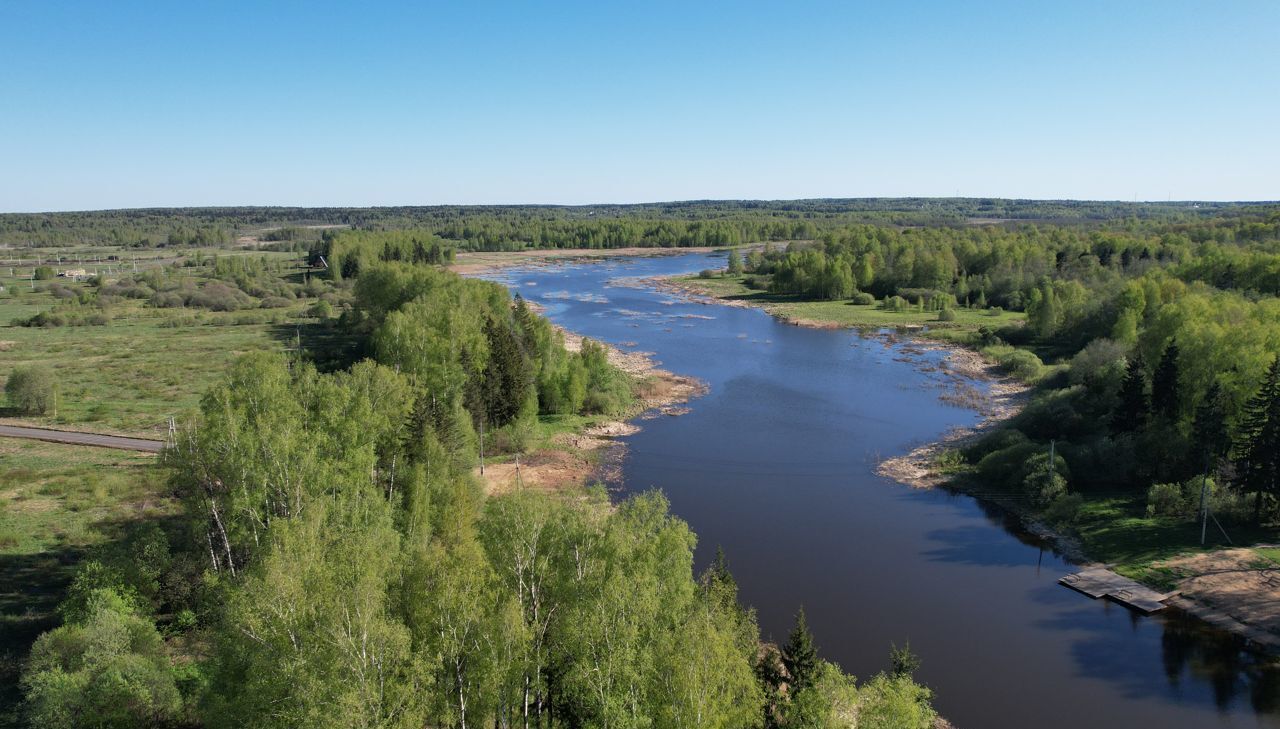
[[1101, 582]]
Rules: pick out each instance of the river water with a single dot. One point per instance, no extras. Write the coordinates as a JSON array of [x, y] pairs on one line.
[[777, 466]]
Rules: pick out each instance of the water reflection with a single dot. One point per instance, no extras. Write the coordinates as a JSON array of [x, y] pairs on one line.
[[1194, 652]]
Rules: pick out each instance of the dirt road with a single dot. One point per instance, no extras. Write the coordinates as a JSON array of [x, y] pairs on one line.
[[78, 438]]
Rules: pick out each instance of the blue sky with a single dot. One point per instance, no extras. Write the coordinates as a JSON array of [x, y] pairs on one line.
[[119, 104]]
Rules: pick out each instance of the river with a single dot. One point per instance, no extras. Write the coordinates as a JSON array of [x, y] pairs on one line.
[[776, 464]]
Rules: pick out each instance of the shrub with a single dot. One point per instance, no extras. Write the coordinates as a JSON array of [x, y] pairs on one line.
[[1177, 499], [1064, 510], [321, 310], [111, 667], [30, 390], [1044, 482], [946, 314], [1004, 468], [167, 300], [1020, 363], [1100, 366], [706, 273], [894, 303], [43, 273], [862, 298]]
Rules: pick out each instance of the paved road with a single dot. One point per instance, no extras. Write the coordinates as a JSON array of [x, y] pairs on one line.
[[78, 438]]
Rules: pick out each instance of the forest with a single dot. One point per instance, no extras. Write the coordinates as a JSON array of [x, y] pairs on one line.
[[335, 561], [1154, 347], [689, 223]]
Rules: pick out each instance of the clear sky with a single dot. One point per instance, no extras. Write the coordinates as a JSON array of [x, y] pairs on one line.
[[121, 104]]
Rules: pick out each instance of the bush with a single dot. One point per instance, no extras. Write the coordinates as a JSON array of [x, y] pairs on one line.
[[946, 315], [894, 303], [1100, 366], [1044, 482], [167, 300], [111, 667], [1177, 499], [320, 310], [1020, 363], [707, 273], [862, 298], [1065, 510], [30, 390], [43, 273]]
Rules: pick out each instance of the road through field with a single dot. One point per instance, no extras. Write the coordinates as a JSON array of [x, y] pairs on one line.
[[81, 438]]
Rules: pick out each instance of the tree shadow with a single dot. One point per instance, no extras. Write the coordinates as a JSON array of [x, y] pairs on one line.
[[327, 346], [34, 585]]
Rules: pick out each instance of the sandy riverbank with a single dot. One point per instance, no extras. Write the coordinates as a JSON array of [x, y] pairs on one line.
[[1000, 399]]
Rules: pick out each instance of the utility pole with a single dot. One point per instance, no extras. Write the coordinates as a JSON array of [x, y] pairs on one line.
[[481, 445], [1204, 508]]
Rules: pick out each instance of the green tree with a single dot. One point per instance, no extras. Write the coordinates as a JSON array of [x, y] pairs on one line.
[[800, 655], [109, 669], [1209, 430], [903, 662], [30, 390], [1259, 436], [1165, 385], [735, 263], [1131, 412]]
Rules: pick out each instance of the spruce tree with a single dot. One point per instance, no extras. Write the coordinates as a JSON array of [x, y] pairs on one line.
[[1259, 458], [1209, 429], [507, 377], [1164, 385], [1131, 413], [800, 655]]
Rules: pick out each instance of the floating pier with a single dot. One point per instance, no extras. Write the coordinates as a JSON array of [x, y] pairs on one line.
[[1101, 582]]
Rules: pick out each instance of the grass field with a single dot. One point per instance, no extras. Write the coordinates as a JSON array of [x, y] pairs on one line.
[[846, 314], [56, 503], [145, 364]]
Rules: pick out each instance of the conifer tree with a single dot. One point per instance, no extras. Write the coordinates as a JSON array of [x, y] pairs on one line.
[[1131, 413], [1259, 458], [1209, 429], [800, 655], [1164, 385]]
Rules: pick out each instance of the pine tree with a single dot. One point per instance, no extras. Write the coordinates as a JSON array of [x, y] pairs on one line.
[[1164, 385], [800, 655], [1259, 458], [1131, 413], [1209, 429]]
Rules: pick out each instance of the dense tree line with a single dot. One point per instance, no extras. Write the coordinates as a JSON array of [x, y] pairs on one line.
[[499, 227], [1161, 336], [339, 564]]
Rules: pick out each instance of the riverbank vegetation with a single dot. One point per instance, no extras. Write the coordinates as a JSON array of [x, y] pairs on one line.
[[1155, 346], [334, 562]]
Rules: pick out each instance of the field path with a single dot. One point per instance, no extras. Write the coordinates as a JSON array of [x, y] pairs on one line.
[[80, 438]]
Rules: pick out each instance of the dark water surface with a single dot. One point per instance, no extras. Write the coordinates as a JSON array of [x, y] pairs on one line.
[[777, 465]]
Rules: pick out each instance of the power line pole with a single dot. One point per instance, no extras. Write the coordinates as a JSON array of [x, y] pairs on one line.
[[1204, 507]]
